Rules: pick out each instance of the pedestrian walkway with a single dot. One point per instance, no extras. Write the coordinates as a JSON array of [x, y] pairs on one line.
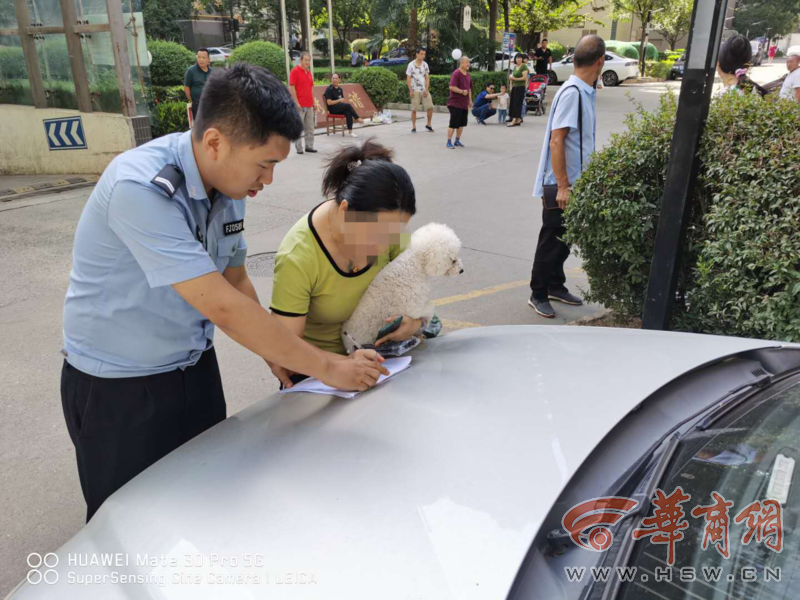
[[15, 187]]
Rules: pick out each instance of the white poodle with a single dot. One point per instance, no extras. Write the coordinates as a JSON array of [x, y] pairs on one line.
[[402, 288]]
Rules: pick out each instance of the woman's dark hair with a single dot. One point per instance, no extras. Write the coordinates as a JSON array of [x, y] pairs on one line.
[[520, 55], [374, 185], [735, 55]]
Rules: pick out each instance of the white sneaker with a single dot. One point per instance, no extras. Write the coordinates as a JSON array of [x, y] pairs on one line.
[[353, 134]]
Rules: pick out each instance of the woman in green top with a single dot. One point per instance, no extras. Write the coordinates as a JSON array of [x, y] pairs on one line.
[[519, 81], [331, 255]]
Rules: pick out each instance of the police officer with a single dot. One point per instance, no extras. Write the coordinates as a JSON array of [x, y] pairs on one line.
[[159, 260]]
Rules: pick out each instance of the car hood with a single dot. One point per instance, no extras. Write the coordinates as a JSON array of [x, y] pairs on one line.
[[432, 485]]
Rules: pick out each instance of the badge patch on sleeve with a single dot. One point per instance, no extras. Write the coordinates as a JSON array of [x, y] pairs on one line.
[[234, 227]]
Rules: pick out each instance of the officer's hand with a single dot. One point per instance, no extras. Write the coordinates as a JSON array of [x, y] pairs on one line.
[[283, 375], [358, 372], [562, 197]]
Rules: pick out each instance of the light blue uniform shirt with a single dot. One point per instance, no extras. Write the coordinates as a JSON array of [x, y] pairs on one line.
[[566, 115], [121, 316]]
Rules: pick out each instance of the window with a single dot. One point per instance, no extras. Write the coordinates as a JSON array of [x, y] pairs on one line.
[[589, 32]]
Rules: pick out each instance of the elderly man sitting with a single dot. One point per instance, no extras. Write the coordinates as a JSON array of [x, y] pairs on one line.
[[337, 105]]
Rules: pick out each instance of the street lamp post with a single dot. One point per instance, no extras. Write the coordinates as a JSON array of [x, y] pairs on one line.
[[646, 37], [708, 19]]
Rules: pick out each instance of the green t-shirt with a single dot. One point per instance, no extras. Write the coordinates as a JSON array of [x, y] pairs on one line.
[[518, 71], [308, 282], [195, 80]]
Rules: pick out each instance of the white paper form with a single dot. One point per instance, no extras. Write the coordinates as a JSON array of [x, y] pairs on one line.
[[315, 386]]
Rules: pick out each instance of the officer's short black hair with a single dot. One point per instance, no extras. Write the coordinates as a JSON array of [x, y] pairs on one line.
[[248, 104]]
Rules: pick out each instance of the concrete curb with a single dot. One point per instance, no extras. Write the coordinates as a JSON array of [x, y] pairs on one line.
[[50, 187], [591, 318], [401, 106]]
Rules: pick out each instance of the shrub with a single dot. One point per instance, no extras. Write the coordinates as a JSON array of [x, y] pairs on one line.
[[170, 117], [740, 259], [659, 70], [340, 47], [173, 93], [625, 49], [170, 61], [778, 53], [360, 45], [557, 49], [379, 83], [12, 63], [263, 54]]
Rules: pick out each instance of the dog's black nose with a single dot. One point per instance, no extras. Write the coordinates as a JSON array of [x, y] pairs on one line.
[[461, 271]]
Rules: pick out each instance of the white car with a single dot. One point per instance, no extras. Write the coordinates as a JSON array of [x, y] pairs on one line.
[[616, 70], [454, 480], [219, 54]]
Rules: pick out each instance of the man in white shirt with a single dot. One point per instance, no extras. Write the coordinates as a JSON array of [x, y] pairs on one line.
[[418, 78], [791, 85]]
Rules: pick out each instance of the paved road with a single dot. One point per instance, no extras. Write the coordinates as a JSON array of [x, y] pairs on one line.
[[482, 191]]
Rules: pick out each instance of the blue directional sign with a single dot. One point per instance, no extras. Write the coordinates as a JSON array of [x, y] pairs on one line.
[[65, 134]]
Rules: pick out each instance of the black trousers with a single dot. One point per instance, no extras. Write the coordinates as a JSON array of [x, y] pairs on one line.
[[122, 426], [517, 98], [195, 108], [344, 109], [552, 252]]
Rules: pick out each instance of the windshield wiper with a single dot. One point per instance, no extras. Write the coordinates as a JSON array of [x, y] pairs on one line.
[[734, 399], [659, 468]]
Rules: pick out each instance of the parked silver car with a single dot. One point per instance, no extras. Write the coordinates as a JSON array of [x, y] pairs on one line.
[[456, 479]]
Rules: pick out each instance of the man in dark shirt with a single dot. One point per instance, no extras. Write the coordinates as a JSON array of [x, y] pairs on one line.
[[337, 105], [544, 58], [195, 80]]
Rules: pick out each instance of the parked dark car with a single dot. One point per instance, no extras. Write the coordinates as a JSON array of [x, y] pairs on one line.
[[677, 68], [398, 56]]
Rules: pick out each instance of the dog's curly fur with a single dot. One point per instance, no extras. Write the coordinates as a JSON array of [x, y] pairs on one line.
[[402, 288]]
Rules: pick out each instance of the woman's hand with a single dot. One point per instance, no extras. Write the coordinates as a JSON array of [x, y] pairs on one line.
[[282, 374], [408, 328]]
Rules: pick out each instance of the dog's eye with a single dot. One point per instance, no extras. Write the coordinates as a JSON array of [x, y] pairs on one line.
[[455, 260]]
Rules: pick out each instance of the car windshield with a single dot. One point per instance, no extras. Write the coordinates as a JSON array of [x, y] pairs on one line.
[[730, 489]]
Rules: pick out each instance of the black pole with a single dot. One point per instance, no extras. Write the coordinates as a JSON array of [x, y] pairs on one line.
[[698, 81]]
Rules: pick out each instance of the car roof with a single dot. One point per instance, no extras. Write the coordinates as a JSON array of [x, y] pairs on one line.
[[432, 485]]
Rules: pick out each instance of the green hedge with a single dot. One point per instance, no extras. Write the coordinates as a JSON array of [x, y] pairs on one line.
[[170, 61], [61, 94], [170, 117], [12, 63], [740, 272], [379, 83], [325, 63], [557, 49], [172, 93], [340, 47], [659, 70], [631, 49], [263, 54]]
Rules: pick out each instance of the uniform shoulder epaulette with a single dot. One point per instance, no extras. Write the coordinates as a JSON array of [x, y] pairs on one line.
[[169, 179]]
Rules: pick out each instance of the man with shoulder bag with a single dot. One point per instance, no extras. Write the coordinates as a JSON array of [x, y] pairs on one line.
[[568, 144]]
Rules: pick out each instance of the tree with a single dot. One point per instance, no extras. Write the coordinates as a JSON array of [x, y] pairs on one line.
[[347, 16], [493, 28], [530, 17], [627, 10], [674, 21], [161, 18], [781, 17]]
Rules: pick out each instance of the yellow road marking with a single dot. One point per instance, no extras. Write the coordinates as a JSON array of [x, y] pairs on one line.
[[452, 325], [478, 293], [491, 290], [22, 190]]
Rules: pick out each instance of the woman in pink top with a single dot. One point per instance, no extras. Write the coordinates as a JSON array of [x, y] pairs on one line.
[[773, 50]]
